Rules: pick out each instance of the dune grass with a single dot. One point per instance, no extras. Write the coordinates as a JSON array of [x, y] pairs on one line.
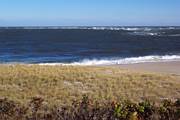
[[63, 84]]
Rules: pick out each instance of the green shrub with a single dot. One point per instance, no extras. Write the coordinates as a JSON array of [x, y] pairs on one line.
[[87, 109]]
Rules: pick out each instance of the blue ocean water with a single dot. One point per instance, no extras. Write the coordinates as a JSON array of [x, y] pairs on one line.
[[89, 45]]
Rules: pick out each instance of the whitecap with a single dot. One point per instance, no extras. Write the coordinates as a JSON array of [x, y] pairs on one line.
[[116, 61]]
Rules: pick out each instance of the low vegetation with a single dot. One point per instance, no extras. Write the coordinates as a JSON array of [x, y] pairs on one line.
[[87, 109], [32, 89]]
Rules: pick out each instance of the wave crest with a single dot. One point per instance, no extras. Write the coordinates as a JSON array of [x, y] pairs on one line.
[[116, 61]]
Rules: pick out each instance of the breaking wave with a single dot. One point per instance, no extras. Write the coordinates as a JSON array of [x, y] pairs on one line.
[[116, 61]]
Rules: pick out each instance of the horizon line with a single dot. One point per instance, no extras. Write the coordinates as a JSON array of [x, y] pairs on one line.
[[92, 26]]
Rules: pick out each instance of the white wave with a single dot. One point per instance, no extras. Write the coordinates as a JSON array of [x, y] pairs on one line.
[[130, 28], [88, 28], [152, 34], [95, 28], [119, 28], [169, 28], [145, 33], [147, 29], [114, 61]]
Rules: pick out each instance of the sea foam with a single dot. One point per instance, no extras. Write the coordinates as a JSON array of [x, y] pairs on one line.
[[116, 61]]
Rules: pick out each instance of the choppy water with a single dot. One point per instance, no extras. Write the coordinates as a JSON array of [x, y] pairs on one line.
[[89, 45]]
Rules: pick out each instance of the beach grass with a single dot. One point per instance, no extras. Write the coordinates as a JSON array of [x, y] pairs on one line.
[[63, 84]]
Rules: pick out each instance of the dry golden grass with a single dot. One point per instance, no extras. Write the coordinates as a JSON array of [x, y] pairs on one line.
[[63, 84]]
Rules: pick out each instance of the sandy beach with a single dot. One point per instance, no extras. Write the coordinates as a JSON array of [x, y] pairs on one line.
[[155, 67]]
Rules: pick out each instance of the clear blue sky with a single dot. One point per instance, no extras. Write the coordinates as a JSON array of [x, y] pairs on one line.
[[89, 12]]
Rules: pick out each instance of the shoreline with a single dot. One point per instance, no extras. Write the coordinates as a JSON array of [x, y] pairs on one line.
[[166, 67]]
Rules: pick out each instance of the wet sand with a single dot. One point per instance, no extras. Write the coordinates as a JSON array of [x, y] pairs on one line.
[[156, 67]]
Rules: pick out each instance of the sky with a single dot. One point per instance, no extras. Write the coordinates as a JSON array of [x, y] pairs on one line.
[[89, 12]]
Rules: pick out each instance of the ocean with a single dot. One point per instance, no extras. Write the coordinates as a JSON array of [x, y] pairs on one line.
[[106, 45]]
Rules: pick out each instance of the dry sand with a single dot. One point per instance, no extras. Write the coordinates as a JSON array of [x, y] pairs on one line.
[[156, 67]]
